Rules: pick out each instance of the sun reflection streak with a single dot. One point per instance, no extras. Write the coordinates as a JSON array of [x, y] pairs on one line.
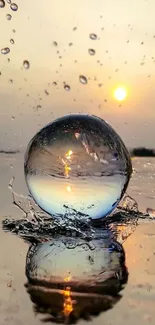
[[67, 163], [68, 303]]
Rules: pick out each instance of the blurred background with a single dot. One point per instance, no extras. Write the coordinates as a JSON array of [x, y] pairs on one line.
[[93, 56]]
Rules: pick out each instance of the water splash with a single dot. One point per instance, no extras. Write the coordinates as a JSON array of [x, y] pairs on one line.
[[38, 225]]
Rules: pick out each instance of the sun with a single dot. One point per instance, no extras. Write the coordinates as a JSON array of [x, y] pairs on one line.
[[120, 93]]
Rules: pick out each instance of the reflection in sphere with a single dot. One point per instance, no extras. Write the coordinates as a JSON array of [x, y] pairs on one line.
[[73, 278], [77, 163]]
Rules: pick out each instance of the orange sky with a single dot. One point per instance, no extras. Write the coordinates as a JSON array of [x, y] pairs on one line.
[[124, 54]]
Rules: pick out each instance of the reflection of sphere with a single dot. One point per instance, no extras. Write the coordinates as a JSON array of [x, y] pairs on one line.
[[78, 162], [70, 277], [77, 263]]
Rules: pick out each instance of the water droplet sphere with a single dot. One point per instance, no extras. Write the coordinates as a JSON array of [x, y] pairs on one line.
[[79, 164]]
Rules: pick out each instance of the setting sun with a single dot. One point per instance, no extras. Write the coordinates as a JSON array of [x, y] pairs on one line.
[[120, 93]]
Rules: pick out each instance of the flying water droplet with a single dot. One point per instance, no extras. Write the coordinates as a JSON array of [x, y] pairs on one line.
[[8, 1], [93, 36], [55, 43], [91, 51], [2, 3], [26, 64], [8, 17], [46, 92], [83, 79], [12, 41], [14, 6], [77, 166], [5, 50], [14, 31], [67, 87]]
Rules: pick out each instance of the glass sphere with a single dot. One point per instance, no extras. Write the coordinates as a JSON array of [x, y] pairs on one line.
[[77, 164]]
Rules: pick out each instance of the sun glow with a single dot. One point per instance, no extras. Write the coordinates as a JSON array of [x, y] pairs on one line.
[[120, 93]]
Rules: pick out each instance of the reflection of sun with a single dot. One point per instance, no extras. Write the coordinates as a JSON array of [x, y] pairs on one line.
[[68, 188], [120, 93]]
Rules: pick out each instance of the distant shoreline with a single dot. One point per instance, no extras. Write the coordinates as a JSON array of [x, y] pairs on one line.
[[135, 152], [9, 152], [142, 152]]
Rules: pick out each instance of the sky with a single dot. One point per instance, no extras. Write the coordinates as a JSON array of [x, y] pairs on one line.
[[54, 36]]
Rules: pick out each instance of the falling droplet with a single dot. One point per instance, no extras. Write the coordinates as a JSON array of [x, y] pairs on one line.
[[93, 36], [5, 50], [13, 118], [70, 44], [8, 1], [67, 87], [55, 43], [83, 80], [46, 92], [12, 41], [14, 6], [26, 64], [11, 81], [91, 51], [8, 17], [74, 28], [54, 83], [2, 3]]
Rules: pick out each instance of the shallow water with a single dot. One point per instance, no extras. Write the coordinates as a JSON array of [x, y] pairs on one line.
[[138, 296]]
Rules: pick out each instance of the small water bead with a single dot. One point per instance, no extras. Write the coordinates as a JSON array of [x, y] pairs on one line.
[[8, 1], [8, 17], [55, 43], [83, 79], [93, 36], [12, 41], [26, 64], [77, 165], [67, 87], [5, 50], [2, 3], [91, 51], [46, 92], [14, 6]]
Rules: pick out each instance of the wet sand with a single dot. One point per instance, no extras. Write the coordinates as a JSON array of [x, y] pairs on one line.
[[137, 303]]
